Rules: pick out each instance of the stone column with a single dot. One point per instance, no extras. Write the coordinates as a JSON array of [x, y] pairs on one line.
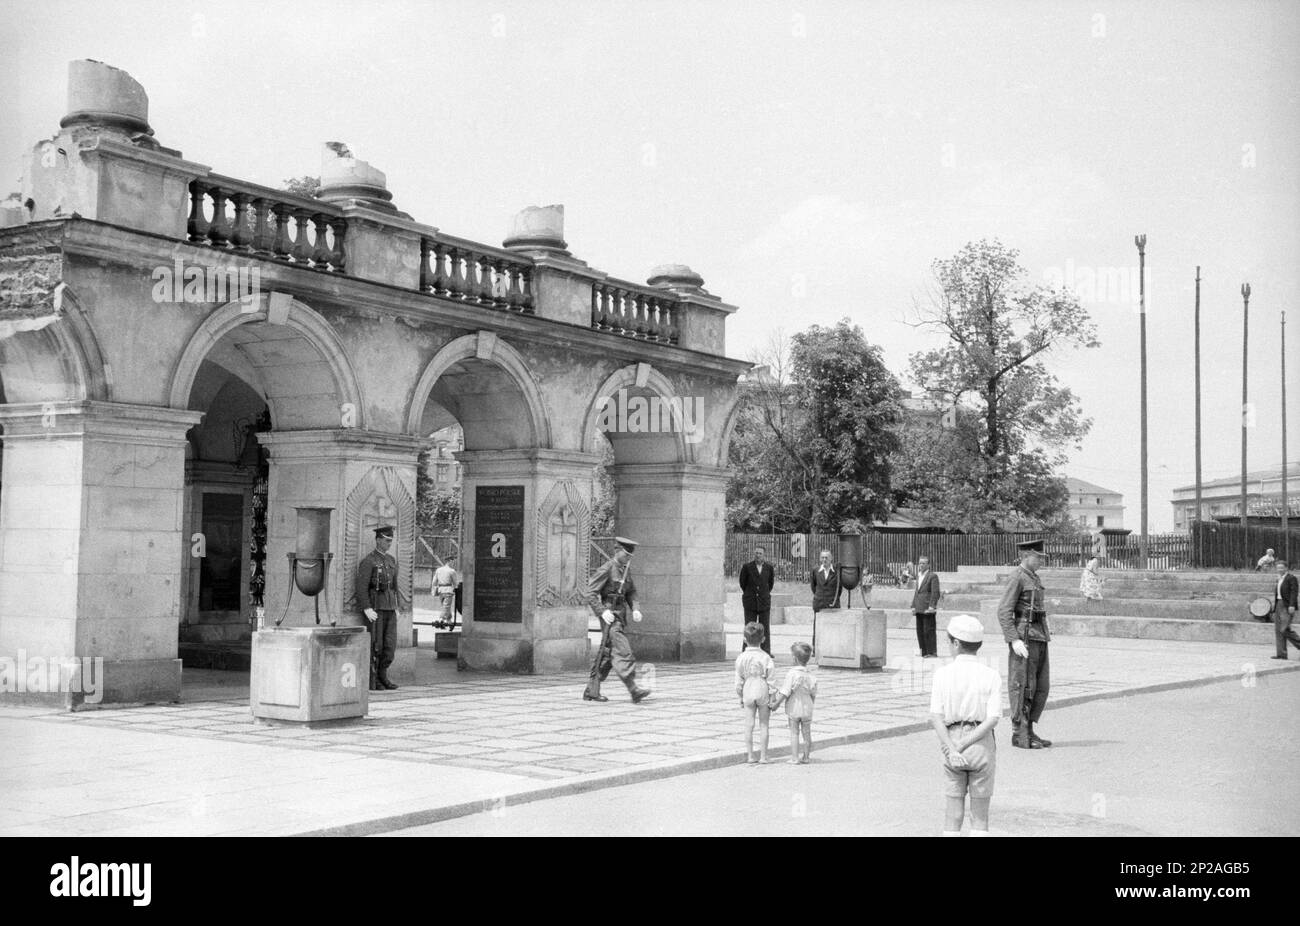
[[536, 554], [368, 478], [91, 549], [675, 511]]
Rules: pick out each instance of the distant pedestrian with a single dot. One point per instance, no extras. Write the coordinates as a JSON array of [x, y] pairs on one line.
[[798, 693], [756, 580], [925, 603], [1284, 605], [754, 672], [908, 574], [965, 704], [1266, 561], [1091, 581], [444, 587]]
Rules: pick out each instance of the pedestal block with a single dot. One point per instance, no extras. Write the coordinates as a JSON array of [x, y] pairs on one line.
[[309, 674], [850, 638]]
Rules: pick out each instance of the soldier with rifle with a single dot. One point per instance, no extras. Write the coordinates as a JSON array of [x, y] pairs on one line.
[[1024, 626], [612, 596]]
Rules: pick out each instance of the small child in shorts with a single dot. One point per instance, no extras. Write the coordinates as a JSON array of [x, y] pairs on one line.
[[754, 671], [965, 704], [798, 692]]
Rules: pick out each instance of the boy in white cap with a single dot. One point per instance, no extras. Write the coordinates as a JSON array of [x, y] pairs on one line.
[[965, 704]]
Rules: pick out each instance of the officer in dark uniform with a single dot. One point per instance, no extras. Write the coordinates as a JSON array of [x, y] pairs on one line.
[[377, 598], [1024, 626], [612, 597]]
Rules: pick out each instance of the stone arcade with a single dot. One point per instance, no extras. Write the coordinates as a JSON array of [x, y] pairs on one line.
[[133, 427]]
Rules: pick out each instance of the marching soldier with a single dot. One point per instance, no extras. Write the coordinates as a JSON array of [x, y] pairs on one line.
[[1024, 626], [377, 597], [612, 596]]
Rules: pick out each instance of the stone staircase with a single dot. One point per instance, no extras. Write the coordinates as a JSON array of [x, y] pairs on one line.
[[1196, 606]]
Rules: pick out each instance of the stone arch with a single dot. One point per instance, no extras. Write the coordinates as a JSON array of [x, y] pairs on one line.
[[56, 357], [724, 445], [485, 346], [635, 375], [298, 316]]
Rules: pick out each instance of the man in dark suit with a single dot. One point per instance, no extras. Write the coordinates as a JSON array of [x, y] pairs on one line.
[[756, 580], [825, 584], [1284, 605], [925, 602]]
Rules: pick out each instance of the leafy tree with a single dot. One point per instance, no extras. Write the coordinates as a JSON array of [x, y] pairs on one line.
[[1000, 330], [811, 451], [303, 186]]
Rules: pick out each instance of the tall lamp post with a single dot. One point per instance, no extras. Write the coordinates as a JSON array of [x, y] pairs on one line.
[[1245, 338], [1198, 413], [1141, 242], [1286, 533]]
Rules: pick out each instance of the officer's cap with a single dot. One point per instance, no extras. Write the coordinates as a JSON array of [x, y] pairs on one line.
[[386, 531], [629, 545], [966, 628], [1031, 546]]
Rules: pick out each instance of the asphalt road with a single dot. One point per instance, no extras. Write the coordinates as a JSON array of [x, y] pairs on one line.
[[1215, 760]]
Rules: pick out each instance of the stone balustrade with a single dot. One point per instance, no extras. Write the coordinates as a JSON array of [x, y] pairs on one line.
[[634, 311], [458, 269], [244, 217]]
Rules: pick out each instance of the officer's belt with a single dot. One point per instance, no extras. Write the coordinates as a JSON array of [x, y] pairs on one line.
[[1034, 617]]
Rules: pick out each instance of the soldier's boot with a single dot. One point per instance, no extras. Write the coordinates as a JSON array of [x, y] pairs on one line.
[[1036, 741], [385, 681], [374, 676], [1020, 736], [640, 694]]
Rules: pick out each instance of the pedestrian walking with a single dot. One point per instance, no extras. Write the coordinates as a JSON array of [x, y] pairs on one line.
[[798, 692], [1024, 625], [965, 704], [1091, 581], [612, 596], [754, 672], [444, 586], [1284, 605], [1266, 561]]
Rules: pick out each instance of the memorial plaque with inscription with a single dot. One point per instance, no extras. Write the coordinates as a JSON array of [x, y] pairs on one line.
[[499, 554]]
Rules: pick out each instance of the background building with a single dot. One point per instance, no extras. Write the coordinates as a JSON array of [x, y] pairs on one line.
[[1092, 506], [1222, 497]]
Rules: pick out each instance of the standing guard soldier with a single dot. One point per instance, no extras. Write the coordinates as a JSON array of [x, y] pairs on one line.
[[377, 597], [612, 596], [1024, 626]]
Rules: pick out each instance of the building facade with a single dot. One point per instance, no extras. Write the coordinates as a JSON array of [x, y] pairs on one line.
[[1222, 497], [1093, 507]]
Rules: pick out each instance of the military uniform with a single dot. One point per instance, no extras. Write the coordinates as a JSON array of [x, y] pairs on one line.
[[1022, 616], [611, 589], [377, 588]]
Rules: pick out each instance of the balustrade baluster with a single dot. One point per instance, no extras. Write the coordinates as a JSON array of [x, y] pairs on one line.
[[198, 223], [219, 231], [301, 246], [459, 284], [240, 233], [261, 243], [338, 255], [671, 330], [484, 290], [595, 305], [514, 296], [321, 253], [281, 245], [526, 281], [439, 282]]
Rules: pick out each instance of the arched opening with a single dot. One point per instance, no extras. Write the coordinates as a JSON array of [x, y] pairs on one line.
[[247, 376]]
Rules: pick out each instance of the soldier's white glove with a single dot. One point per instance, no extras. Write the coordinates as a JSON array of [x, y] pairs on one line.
[[371, 615], [636, 616], [1018, 647], [607, 616]]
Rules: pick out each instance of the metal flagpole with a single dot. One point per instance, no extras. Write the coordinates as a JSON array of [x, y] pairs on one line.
[[1199, 531], [1141, 242], [1245, 337], [1286, 533]]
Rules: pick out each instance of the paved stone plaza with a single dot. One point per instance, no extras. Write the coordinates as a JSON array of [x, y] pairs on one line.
[[467, 742]]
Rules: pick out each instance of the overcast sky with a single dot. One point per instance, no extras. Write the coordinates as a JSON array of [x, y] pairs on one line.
[[808, 159]]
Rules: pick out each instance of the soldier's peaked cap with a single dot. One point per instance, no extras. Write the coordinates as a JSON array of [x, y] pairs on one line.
[[1030, 546], [386, 531], [629, 545]]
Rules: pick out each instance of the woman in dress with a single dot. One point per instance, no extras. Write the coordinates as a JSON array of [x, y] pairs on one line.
[[1091, 581]]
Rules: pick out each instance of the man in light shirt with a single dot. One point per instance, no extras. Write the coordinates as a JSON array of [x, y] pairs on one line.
[[965, 704]]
